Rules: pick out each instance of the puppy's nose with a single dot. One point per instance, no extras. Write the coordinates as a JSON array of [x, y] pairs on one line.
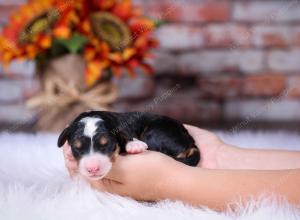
[[92, 167], [93, 170]]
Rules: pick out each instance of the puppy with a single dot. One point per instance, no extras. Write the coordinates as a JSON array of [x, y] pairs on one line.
[[98, 137]]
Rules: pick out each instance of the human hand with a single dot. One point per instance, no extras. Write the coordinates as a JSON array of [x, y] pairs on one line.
[[70, 162], [210, 146], [144, 176]]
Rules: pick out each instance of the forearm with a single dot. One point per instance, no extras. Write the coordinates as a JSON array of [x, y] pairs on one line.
[[215, 154], [231, 157], [217, 188]]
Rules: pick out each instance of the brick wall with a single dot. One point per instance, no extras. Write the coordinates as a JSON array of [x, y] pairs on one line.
[[219, 60]]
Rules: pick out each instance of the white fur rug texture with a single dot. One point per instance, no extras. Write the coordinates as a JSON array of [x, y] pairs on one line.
[[34, 185]]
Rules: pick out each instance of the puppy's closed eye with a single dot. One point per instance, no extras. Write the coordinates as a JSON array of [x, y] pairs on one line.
[[103, 140]]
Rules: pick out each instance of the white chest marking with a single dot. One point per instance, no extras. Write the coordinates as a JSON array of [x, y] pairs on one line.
[[90, 128]]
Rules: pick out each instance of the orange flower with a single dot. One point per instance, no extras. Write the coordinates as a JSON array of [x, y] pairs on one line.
[[89, 53], [104, 4], [128, 53], [45, 41], [94, 71], [62, 32], [123, 9], [141, 26]]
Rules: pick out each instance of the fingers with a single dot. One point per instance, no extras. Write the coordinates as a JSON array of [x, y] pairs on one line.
[[67, 151], [195, 131], [202, 137], [70, 162]]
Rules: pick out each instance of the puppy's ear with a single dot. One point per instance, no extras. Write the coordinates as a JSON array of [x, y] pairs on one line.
[[63, 136]]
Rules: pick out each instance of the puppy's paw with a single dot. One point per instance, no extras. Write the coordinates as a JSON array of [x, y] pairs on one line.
[[136, 146]]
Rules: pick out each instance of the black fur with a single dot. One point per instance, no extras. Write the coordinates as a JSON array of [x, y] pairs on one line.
[[160, 133]]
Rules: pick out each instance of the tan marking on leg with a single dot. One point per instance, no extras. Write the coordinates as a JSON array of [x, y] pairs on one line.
[[187, 153]]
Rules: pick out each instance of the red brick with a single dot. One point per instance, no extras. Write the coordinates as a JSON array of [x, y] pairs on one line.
[[263, 85], [220, 87], [296, 36], [272, 36], [284, 60], [293, 86], [227, 35], [214, 11], [266, 11], [180, 37], [188, 10]]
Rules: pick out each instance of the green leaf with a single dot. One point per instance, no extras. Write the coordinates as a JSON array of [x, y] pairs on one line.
[[75, 44], [58, 49]]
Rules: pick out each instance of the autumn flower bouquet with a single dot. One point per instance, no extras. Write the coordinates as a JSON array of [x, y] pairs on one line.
[[78, 46]]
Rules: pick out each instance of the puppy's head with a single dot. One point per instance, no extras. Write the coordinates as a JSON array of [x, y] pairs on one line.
[[92, 145]]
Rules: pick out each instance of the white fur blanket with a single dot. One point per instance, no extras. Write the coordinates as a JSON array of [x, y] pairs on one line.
[[34, 185]]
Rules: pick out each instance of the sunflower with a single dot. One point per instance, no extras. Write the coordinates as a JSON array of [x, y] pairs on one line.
[[33, 27], [119, 39]]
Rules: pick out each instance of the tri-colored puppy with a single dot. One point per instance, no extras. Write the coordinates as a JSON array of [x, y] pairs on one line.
[[98, 137]]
